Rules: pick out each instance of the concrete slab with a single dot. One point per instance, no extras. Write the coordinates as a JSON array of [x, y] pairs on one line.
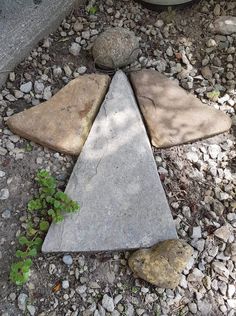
[[115, 180], [23, 23]]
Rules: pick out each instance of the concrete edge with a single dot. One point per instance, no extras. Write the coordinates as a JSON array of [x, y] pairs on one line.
[[30, 33]]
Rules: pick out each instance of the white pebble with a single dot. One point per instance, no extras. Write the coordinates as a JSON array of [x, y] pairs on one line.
[[26, 87], [2, 174], [4, 194], [197, 232], [65, 284], [75, 49], [67, 259], [107, 303]]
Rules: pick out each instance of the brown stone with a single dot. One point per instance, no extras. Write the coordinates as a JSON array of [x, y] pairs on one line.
[[206, 72], [162, 264], [172, 115], [63, 122]]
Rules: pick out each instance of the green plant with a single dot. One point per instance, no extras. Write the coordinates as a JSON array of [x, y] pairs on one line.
[[93, 10], [213, 95], [48, 206], [28, 147], [135, 289]]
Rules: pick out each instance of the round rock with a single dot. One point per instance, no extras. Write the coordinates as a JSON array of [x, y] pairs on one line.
[[107, 303], [26, 87], [162, 264], [67, 259], [4, 194], [22, 300], [115, 47]]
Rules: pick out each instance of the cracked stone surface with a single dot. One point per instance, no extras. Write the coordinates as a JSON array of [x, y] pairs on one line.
[[115, 180], [63, 122]]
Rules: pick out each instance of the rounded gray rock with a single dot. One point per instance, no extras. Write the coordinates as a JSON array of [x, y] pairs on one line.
[[107, 303], [115, 47], [4, 194], [67, 259]]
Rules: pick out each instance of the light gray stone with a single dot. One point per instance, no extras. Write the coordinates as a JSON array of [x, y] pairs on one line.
[[22, 300], [108, 303], [225, 25], [4, 194], [75, 49], [31, 309], [26, 87], [67, 259], [115, 181], [223, 232]]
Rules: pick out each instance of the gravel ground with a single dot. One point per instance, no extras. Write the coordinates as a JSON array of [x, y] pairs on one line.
[[199, 178]]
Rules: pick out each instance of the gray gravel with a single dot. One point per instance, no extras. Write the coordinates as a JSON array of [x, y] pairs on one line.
[[199, 178]]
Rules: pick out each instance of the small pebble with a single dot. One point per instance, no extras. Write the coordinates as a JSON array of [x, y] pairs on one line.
[[4, 194], [65, 284], [26, 87], [67, 259]]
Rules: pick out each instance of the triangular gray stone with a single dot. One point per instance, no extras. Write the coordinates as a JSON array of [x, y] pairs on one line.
[[115, 180]]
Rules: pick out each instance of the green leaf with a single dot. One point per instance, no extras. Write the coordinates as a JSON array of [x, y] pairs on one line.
[[213, 95], [51, 212], [44, 225], [50, 199], [19, 273], [21, 254], [38, 242], [93, 10], [61, 196], [58, 218], [31, 231], [28, 147], [57, 204], [28, 263], [23, 240], [33, 252], [34, 205]]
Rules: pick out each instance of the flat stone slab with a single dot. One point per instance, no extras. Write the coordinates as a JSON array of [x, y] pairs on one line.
[[172, 115], [23, 23], [115, 180], [63, 122]]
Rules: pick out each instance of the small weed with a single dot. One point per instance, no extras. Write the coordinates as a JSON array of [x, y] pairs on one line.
[[93, 10], [28, 147], [158, 312], [135, 289], [213, 95], [49, 205]]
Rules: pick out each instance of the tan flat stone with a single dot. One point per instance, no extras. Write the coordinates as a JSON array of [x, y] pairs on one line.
[[172, 115], [63, 122]]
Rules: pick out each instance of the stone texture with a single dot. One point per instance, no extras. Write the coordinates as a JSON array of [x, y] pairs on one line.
[[172, 115], [23, 23], [115, 47], [224, 25], [63, 122], [162, 264], [115, 181]]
